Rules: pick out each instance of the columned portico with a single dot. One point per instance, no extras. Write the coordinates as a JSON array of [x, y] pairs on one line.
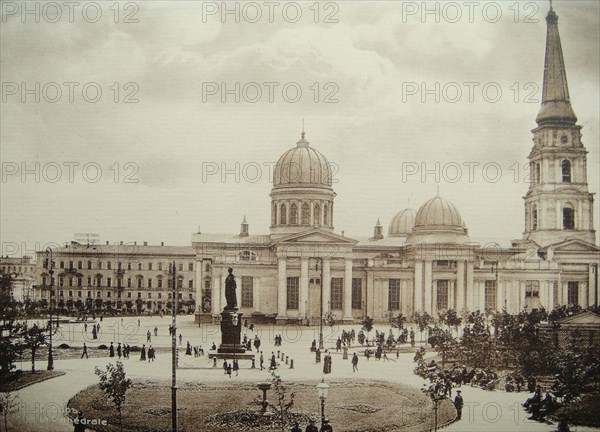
[[326, 285], [198, 285]]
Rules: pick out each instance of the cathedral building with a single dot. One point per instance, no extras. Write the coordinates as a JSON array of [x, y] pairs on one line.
[[425, 261]]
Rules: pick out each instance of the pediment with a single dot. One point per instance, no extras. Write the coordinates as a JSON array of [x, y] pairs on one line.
[[316, 236], [574, 246], [585, 319]]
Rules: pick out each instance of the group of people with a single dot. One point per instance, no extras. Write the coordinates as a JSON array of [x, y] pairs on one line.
[[326, 427], [151, 353], [121, 350], [539, 407], [228, 368]]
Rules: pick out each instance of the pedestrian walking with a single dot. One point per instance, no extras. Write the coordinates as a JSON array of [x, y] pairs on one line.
[[273, 364], [155, 331], [180, 338], [229, 370], [148, 336], [119, 350], [143, 353], [458, 404], [151, 354], [354, 363], [111, 350], [236, 366], [85, 353]]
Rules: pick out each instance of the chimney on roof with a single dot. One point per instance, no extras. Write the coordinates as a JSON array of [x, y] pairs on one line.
[[378, 232], [162, 243], [199, 230], [145, 243], [106, 242]]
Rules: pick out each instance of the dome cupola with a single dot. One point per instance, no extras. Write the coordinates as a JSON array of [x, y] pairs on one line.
[[403, 223], [438, 221]]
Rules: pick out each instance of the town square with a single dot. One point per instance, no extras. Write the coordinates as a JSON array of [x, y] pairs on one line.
[[357, 216]]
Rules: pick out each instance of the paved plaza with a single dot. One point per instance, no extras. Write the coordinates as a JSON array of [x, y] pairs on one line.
[[43, 404]]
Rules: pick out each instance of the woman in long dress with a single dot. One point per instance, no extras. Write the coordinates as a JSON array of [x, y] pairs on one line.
[[143, 354]]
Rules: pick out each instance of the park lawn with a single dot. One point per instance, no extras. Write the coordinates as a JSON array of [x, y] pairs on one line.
[[19, 380], [357, 406]]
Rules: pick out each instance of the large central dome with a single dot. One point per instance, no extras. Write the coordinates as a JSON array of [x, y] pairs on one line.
[[302, 165]]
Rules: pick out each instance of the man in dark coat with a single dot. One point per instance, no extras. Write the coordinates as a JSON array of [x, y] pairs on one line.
[[85, 353], [458, 404], [111, 350]]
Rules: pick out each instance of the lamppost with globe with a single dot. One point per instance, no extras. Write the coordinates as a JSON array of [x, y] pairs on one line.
[[323, 390]]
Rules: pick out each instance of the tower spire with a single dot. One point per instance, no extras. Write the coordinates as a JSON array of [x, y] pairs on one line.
[[556, 103]]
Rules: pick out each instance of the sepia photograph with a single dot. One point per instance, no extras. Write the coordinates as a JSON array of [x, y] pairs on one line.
[[299, 216]]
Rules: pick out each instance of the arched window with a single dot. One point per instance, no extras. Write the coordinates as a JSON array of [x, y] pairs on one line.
[[534, 218], [247, 255], [566, 171], [325, 215], [294, 214], [317, 214], [538, 173], [283, 215], [274, 215], [568, 216], [305, 214]]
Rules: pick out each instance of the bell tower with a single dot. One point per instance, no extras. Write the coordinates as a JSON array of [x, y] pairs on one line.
[[558, 205]]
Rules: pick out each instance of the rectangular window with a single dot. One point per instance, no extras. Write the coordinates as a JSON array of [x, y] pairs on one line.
[[129, 294], [160, 283], [337, 290], [442, 294], [149, 283], [128, 266], [180, 267], [159, 295], [191, 266], [109, 265], [70, 281], [89, 281], [160, 266], [532, 289], [149, 295], [139, 282], [139, 266], [108, 282], [247, 291], [119, 283], [356, 293], [128, 282], [149, 266], [62, 264], [573, 293], [99, 265], [108, 293], [190, 284], [179, 283], [394, 294], [79, 265], [293, 288], [61, 281], [490, 294], [89, 265], [79, 281], [79, 294]]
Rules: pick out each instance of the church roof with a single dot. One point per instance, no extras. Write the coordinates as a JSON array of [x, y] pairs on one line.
[[302, 165], [556, 103]]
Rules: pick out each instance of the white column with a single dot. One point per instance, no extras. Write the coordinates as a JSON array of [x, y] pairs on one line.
[[303, 286], [470, 287], [348, 290], [256, 293], [199, 285], [592, 296], [460, 286], [451, 295], [216, 294], [281, 288], [326, 285], [481, 293], [579, 216], [418, 287], [427, 286]]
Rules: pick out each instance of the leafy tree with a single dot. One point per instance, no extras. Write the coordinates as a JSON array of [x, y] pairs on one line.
[[422, 320], [34, 338], [478, 347], [10, 328], [443, 342], [284, 401], [397, 321], [9, 404], [367, 324], [329, 319], [115, 385]]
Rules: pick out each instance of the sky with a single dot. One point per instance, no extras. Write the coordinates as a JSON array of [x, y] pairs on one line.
[[146, 121]]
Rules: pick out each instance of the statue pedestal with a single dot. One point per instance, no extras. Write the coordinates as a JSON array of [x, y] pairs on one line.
[[231, 330]]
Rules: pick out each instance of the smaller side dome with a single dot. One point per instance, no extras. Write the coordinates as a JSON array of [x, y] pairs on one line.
[[403, 223]]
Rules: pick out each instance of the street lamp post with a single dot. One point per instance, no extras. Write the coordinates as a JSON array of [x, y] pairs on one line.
[[323, 390], [50, 268], [174, 350]]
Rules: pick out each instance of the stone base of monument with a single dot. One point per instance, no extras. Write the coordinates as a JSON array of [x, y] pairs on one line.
[[231, 330]]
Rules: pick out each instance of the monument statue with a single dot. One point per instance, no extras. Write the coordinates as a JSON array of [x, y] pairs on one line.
[[230, 294]]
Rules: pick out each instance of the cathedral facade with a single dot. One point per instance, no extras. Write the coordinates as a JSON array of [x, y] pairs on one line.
[[303, 270]]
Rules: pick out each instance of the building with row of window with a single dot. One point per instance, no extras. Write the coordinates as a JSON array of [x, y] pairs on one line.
[[427, 262], [22, 273], [302, 269]]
